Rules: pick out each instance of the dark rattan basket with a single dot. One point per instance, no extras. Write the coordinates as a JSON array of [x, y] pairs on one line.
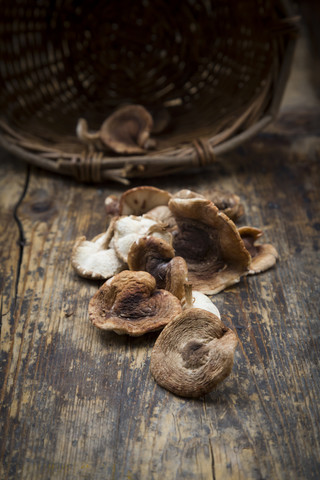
[[218, 67]]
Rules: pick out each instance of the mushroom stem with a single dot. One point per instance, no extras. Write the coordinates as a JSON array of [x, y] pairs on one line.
[[188, 300]]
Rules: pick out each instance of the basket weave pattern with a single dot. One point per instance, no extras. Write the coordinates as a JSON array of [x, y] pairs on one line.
[[218, 67]]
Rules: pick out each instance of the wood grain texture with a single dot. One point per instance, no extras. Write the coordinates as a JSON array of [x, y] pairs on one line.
[[77, 403]]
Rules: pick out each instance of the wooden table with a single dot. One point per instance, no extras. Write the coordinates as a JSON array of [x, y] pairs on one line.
[[77, 404]]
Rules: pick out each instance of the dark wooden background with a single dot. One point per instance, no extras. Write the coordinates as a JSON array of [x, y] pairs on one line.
[[76, 403]]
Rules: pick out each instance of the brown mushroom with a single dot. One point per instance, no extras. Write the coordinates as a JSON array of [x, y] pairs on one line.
[[210, 243], [262, 256], [227, 202], [151, 201], [156, 256], [193, 353], [127, 130], [96, 258], [129, 303], [140, 200]]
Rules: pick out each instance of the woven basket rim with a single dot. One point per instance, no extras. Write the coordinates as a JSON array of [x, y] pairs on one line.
[[200, 152]]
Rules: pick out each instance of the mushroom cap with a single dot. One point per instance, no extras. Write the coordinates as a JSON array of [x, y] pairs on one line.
[[128, 229], [193, 353], [262, 256], [228, 203], [129, 303], [94, 259], [156, 256], [186, 194], [148, 252], [139, 200], [127, 130], [210, 243]]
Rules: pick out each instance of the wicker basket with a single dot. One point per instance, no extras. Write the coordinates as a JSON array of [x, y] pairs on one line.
[[218, 67]]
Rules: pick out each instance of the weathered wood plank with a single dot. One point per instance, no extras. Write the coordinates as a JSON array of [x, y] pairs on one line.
[[78, 404]]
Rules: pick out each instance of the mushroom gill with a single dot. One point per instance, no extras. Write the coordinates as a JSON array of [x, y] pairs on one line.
[[96, 258], [210, 243], [193, 353], [129, 303]]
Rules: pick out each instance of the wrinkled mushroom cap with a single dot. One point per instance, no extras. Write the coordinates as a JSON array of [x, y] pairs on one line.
[[140, 200], [263, 256], [193, 353], [156, 256], [228, 203], [95, 259], [127, 130], [210, 243], [129, 303]]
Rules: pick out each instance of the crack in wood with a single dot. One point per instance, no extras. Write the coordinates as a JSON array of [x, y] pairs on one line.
[[212, 460], [22, 238], [21, 244]]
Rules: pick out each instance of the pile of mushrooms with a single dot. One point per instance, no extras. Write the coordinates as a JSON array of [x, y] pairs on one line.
[[160, 257]]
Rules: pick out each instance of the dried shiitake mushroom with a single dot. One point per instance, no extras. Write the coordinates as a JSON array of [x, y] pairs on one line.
[[156, 256], [193, 353], [95, 258], [210, 243], [262, 256], [129, 303], [226, 202], [140, 200], [127, 130], [137, 201]]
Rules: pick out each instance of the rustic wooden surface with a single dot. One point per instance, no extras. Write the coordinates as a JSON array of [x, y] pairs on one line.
[[79, 404]]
